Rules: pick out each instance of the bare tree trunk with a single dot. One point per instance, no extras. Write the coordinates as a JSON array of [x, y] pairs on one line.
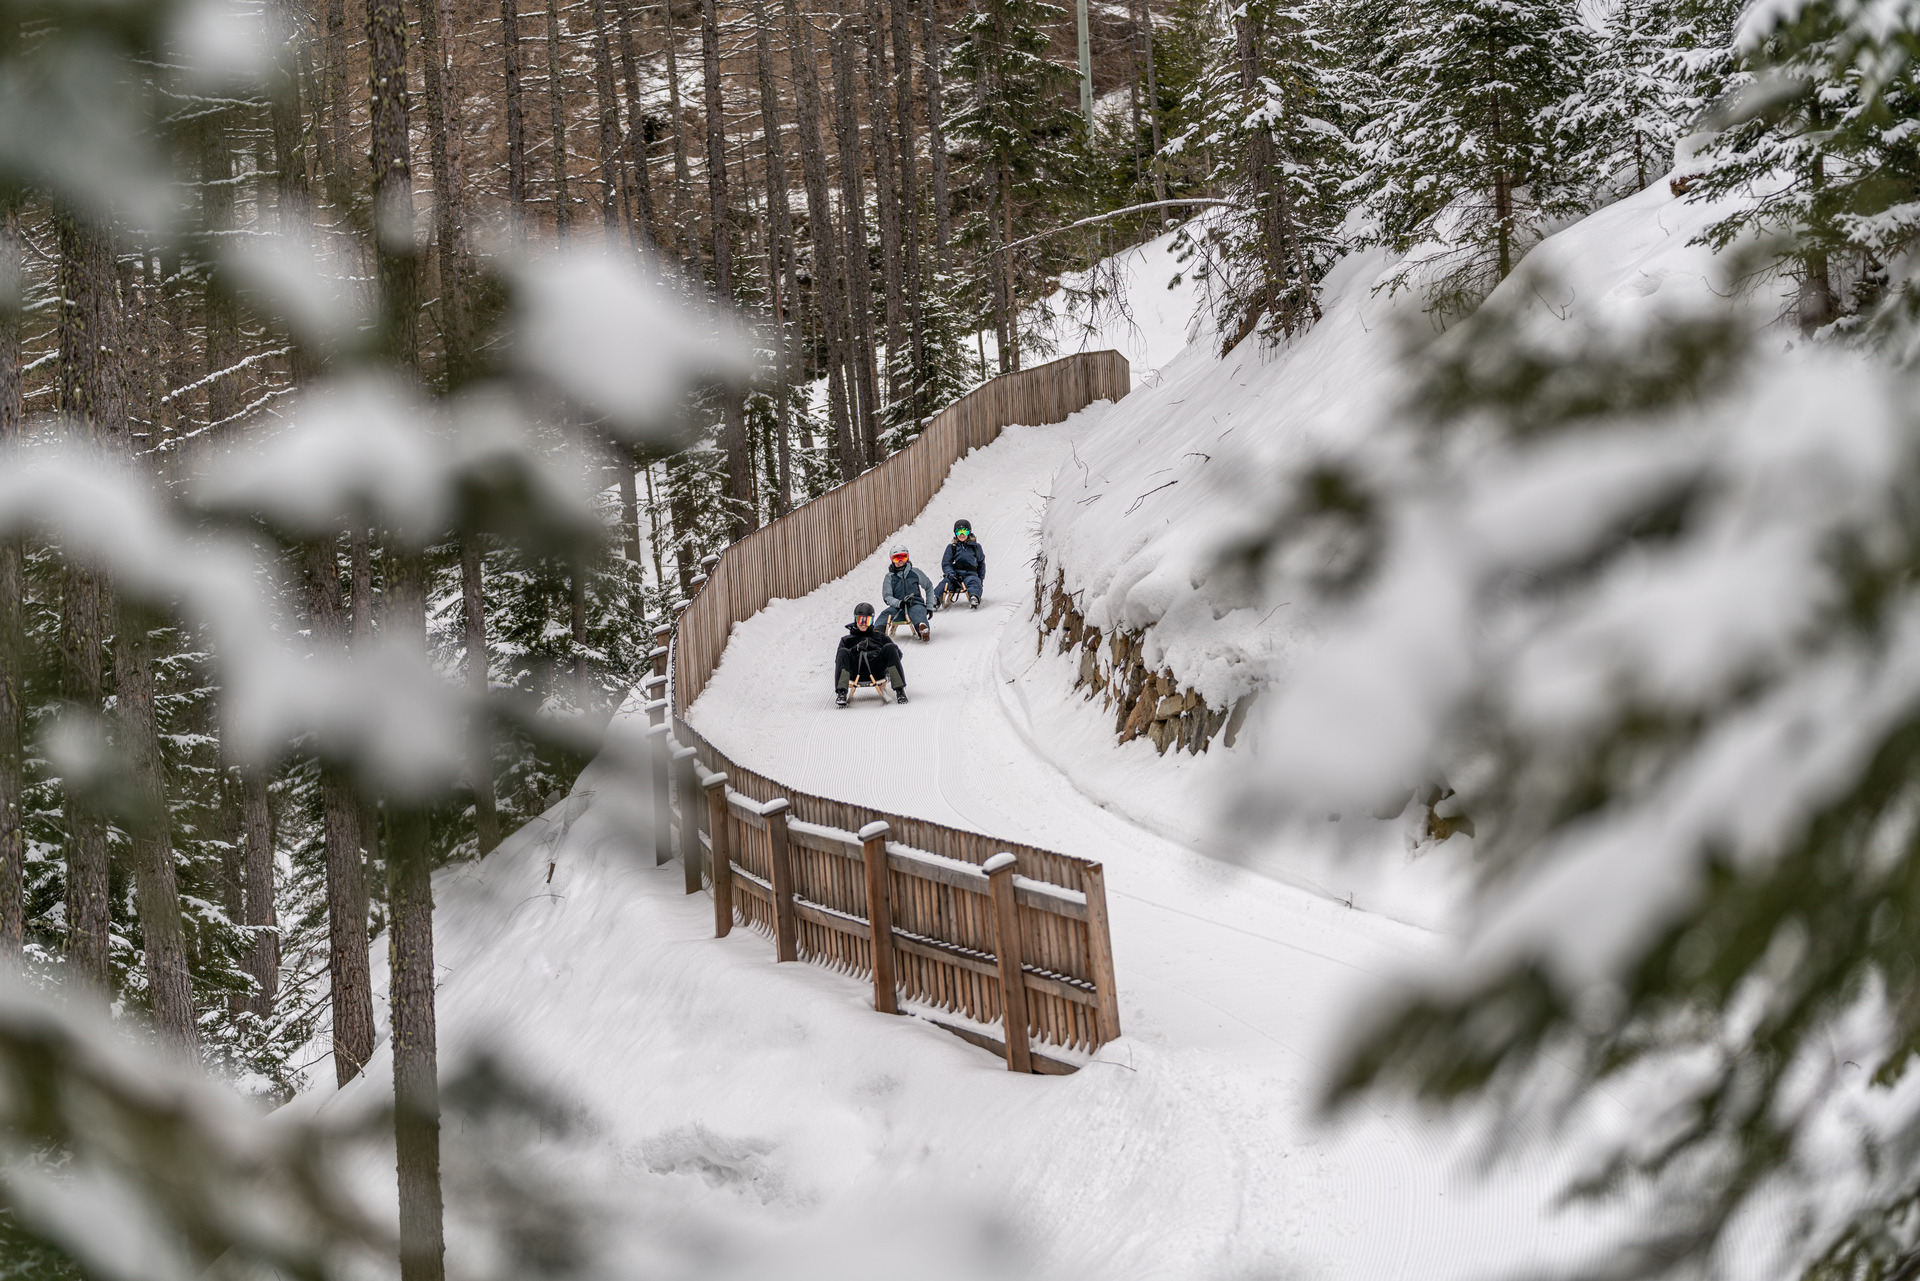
[[479, 733], [557, 109], [350, 982], [828, 260], [221, 316], [743, 515], [639, 136], [416, 1074], [338, 163], [686, 554], [577, 610], [13, 845], [169, 985], [396, 249], [262, 961], [630, 520], [1153, 104], [936, 141], [449, 195], [416, 1121], [516, 120], [865, 389], [416, 1083], [613, 187], [653, 528], [885, 173], [1269, 200], [909, 200], [89, 391], [682, 184], [1009, 318], [780, 255]]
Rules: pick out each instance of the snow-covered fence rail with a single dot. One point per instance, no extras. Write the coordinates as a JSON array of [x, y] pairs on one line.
[[960, 914], [991, 934], [819, 541]]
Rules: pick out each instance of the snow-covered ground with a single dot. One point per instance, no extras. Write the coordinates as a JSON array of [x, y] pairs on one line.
[[735, 1112]]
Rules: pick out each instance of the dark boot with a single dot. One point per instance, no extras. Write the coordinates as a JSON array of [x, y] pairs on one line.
[[900, 695], [840, 699]]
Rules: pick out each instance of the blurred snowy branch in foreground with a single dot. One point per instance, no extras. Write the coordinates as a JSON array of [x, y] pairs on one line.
[[1643, 598]]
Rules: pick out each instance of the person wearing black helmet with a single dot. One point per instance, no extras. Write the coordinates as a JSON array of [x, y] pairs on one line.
[[866, 654], [963, 565]]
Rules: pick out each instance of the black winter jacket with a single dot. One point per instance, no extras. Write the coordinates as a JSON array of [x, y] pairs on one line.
[[868, 653], [961, 559]]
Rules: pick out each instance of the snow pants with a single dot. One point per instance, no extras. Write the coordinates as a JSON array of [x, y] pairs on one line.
[[864, 670], [961, 584], [913, 611]]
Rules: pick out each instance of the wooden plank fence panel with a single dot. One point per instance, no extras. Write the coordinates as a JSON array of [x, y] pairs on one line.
[[945, 946]]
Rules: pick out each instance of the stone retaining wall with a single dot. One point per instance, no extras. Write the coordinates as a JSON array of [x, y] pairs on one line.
[[1146, 704]]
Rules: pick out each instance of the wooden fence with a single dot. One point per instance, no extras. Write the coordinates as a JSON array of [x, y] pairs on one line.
[[819, 541], [980, 934]]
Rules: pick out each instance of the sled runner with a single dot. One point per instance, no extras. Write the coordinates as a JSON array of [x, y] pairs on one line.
[[878, 684], [894, 625]]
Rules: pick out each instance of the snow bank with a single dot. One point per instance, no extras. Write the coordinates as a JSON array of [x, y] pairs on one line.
[[1148, 517]]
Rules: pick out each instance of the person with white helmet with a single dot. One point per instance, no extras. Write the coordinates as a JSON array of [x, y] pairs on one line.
[[908, 593]]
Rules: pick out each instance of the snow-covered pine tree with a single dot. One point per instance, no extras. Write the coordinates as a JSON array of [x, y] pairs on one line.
[[1470, 155], [1182, 62], [1275, 119], [1825, 152], [1016, 145], [1637, 100], [950, 370]]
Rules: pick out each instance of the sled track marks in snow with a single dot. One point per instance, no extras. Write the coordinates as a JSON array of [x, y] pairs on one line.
[[1208, 1158]]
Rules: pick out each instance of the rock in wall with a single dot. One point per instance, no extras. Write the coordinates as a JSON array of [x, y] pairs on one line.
[[1146, 704]]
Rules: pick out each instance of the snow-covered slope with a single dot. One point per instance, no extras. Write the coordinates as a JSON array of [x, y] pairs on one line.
[[735, 1113], [1152, 502]]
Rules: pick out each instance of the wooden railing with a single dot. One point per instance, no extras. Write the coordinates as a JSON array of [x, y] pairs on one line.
[[977, 933], [821, 540]]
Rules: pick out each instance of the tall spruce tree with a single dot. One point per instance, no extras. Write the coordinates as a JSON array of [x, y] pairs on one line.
[[1825, 153], [1470, 155], [1276, 117], [1016, 142]]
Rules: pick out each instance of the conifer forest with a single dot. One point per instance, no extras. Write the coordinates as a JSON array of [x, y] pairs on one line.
[[380, 379]]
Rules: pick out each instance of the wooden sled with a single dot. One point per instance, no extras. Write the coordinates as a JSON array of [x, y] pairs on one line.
[[896, 624], [878, 684]]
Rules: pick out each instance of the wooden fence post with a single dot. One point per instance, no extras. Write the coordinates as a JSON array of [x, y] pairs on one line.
[[662, 814], [688, 788], [1093, 882], [720, 851], [873, 853], [780, 863], [1006, 944]]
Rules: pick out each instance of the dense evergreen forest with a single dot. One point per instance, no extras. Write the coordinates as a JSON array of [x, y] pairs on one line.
[[879, 193]]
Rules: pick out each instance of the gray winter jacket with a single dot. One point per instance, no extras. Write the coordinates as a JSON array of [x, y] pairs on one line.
[[906, 584]]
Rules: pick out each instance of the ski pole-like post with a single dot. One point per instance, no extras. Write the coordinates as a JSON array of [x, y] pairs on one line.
[[780, 865], [1086, 67], [873, 853], [1093, 881], [684, 783], [662, 814], [720, 852], [1006, 945]]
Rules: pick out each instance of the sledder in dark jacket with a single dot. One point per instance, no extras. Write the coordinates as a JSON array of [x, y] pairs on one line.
[[867, 654], [963, 566], [908, 593]]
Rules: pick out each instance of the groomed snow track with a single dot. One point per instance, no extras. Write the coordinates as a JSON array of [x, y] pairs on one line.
[[777, 857]]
